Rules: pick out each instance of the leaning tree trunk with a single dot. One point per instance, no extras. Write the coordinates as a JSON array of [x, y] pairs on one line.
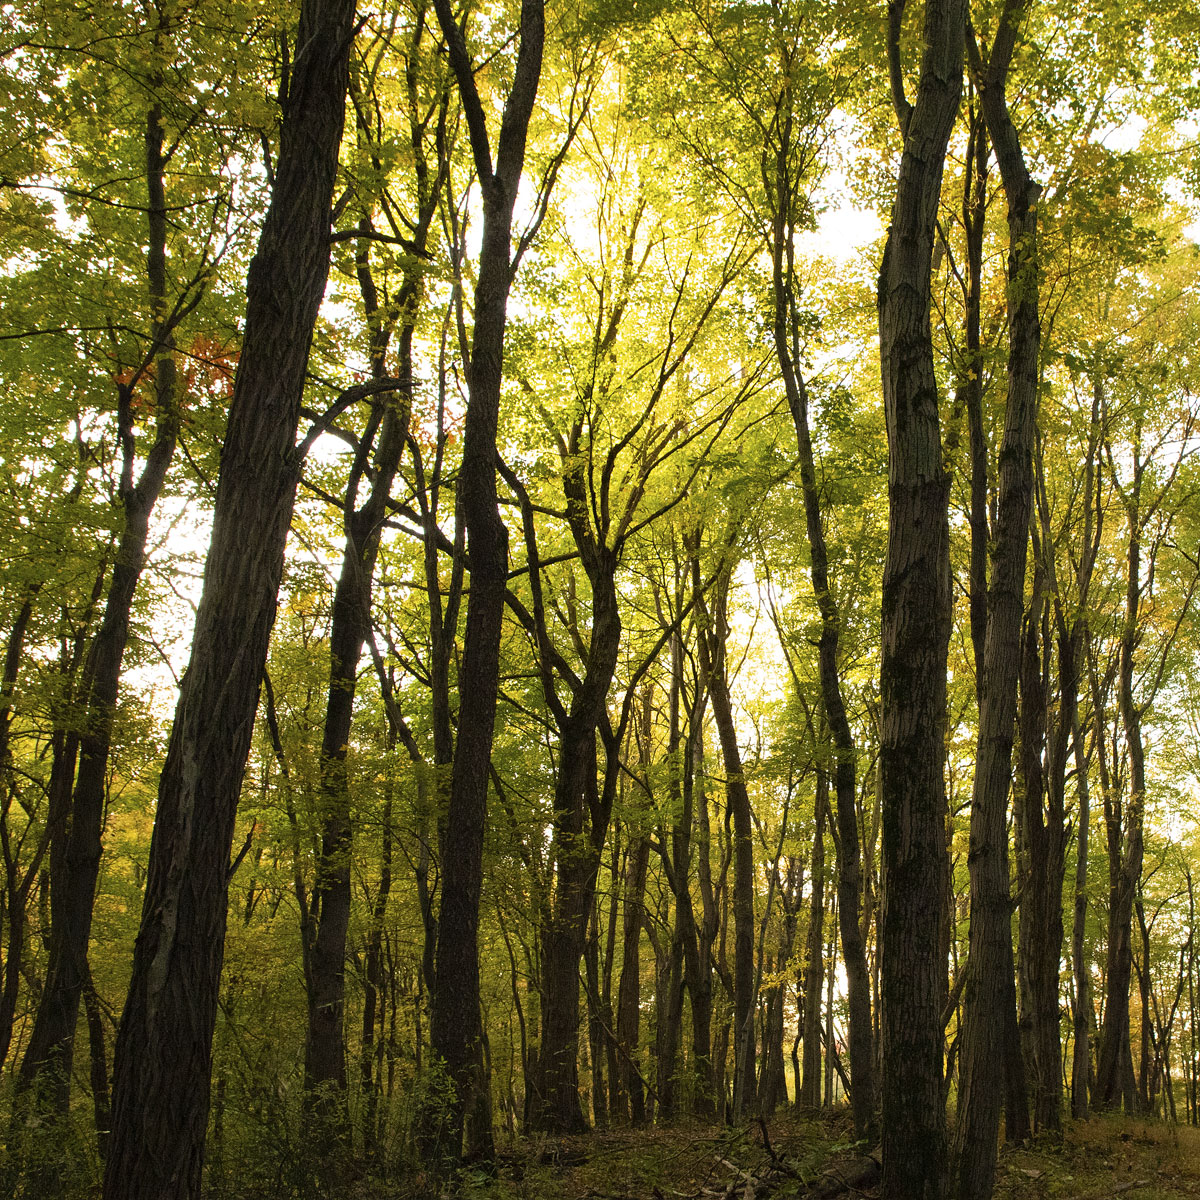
[[916, 614], [456, 1029], [989, 986], [163, 1059]]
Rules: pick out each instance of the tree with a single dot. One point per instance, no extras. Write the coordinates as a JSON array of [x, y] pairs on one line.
[[172, 296], [989, 986], [916, 623], [374, 468], [455, 1015], [162, 1066]]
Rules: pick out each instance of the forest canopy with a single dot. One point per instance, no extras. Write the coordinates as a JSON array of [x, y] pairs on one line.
[[578, 566]]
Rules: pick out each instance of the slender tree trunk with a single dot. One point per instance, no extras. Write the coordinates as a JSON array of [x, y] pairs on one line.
[[1041, 905], [629, 990], [1073, 642], [455, 1019], [980, 1089], [163, 1060], [916, 615], [46, 1066], [596, 1036], [16, 888], [1082, 1014], [744, 1086], [325, 1046], [373, 976], [809, 1085], [1114, 1066], [98, 1066], [667, 1034]]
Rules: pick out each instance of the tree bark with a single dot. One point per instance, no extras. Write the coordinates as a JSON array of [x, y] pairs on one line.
[[991, 956], [809, 1084], [916, 614], [630, 985], [163, 1058], [713, 653], [1124, 838], [455, 1019]]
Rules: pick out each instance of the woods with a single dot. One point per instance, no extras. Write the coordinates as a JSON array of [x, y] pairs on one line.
[[669, 533]]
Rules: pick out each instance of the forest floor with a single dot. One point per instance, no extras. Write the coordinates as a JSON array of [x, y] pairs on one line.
[[1098, 1159]]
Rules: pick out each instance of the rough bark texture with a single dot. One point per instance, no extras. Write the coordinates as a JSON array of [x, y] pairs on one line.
[[164, 1047], [916, 629], [455, 1020], [981, 1085]]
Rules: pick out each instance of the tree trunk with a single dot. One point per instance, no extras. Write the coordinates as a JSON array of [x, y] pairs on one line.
[[350, 623], [849, 879], [1124, 845], [985, 1016], [455, 1020], [713, 653], [373, 975], [1073, 642], [46, 1066], [629, 989], [1045, 842], [163, 1056], [596, 1033], [809, 1085], [916, 614]]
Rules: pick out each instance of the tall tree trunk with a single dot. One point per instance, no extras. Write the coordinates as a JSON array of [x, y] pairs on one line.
[[667, 1032], [1124, 838], [386, 435], [455, 1019], [596, 1032], [15, 894], [46, 1066], [629, 989], [809, 1085], [738, 800], [788, 349], [916, 615], [163, 1058], [373, 974], [991, 956], [1041, 819], [700, 985], [1073, 642]]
